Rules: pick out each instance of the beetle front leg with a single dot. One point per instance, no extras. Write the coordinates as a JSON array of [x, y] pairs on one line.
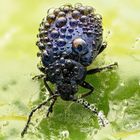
[[42, 69], [33, 111], [47, 86], [103, 46], [51, 93], [50, 109], [38, 77], [96, 70], [86, 85]]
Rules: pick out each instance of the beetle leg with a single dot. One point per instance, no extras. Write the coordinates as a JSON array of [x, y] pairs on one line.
[[47, 86], [34, 110], [96, 70], [51, 93], [40, 67], [103, 46], [38, 77], [50, 109], [101, 118], [87, 86]]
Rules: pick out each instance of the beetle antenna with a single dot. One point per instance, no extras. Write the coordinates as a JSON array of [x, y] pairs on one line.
[[34, 110], [101, 118]]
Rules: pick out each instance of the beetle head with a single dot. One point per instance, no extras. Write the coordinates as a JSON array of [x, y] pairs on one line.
[[67, 90]]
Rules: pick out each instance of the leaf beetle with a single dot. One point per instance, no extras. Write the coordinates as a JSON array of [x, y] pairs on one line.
[[69, 40]]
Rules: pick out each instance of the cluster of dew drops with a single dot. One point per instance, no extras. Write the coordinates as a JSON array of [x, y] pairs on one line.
[[63, 24]]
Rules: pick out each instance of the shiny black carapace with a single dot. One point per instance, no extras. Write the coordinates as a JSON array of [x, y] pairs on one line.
[[69, 40]]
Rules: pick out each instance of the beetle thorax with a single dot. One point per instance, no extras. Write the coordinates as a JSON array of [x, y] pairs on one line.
[[65, 71]]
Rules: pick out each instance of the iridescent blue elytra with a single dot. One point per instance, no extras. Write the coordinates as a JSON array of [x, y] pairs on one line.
[[75, 34], [69, 40]]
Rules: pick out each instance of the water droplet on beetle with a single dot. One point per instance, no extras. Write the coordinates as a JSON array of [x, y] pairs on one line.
[[61, 14], [62, 35], [76, 14], [47, 25], [49, 44], [82, 10], [55, 48], [56, 11], [69, 36], [67, 9], [89, 33], [70, 30], [63, 29], [80, 24], [54, 34], [83, 18], [61, 42], [57, 71], [61, 22], [89, 9], [73, 23], [51, 18]]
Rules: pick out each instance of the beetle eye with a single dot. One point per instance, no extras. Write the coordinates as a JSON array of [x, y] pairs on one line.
[[79, 45]]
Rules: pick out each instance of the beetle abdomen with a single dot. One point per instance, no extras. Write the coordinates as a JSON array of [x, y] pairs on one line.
[[71, 32]]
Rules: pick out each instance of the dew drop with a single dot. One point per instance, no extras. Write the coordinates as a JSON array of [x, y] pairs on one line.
[[91, 19], [76, 14], [89, 33], [77, 5], [63, 29], [65, 71], [62, 35], [89, 9], [47, 25], [83, 18], [45, 39], [62, 49], [73, 23], [61, 42], [56, 11], [51, 18], [40, 45], [49, 44], [55, 48], [69, 36], [54, 34], [61, 22], [98, 16], [80, 24], [61, 14], [42, 33], [76, 68], [66, 9], [57, 71], [70, 30], [57, 64], [82, 10]]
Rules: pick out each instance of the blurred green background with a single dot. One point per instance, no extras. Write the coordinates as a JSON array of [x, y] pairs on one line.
[[117, 92]]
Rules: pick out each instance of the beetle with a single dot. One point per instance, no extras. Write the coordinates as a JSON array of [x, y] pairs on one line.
[[69, 40]]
